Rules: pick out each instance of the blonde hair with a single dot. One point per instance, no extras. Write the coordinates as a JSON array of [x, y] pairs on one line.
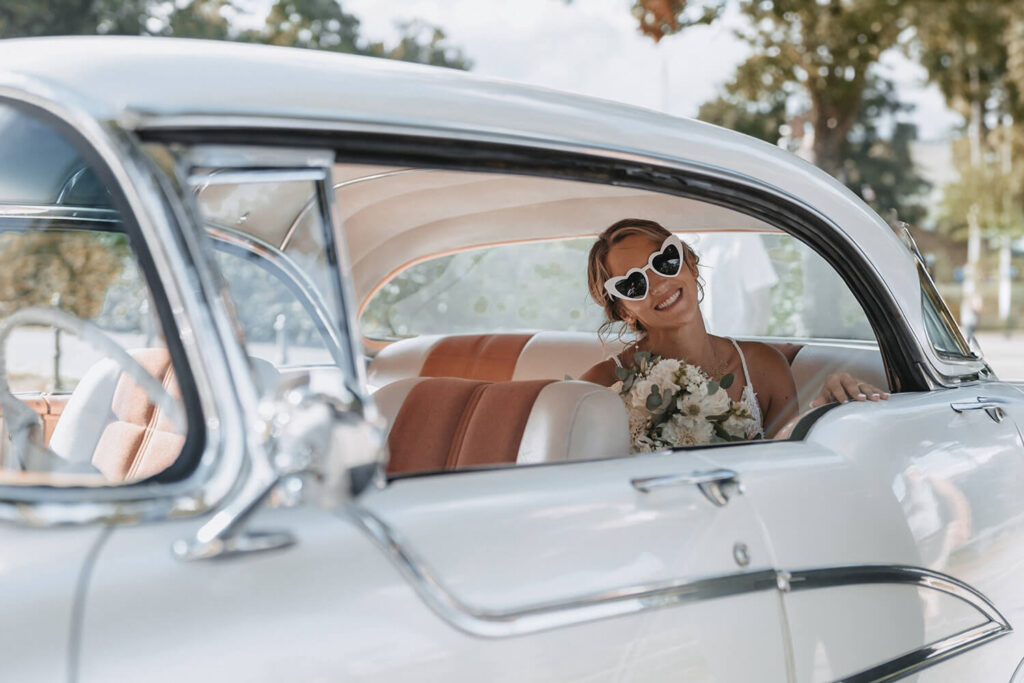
[[598, 273]]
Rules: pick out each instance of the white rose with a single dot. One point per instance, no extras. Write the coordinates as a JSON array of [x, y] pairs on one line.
[[737, 425], [664, 375], [716, 403], [639, 392]]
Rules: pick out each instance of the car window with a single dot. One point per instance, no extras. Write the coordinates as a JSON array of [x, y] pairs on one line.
[[274, 251], [90, 396], [756, 285], [478, 308], [942, 330]]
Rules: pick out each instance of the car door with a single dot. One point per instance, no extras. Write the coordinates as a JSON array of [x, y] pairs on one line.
[[623, 569], [899, 526], [542, 573]]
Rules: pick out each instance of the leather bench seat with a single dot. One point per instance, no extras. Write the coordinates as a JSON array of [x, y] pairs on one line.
[[453, 423], [553, 355]]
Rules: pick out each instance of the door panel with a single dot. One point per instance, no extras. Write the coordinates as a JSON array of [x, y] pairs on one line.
[[40, 571], [511, 544], [562, 573], [915, 487]]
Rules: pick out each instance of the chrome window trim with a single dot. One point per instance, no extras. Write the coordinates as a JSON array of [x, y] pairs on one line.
[[526, 619], [58, 213], [300, 282], [188, 286]]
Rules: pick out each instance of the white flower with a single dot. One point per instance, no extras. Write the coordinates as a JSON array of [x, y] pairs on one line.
[[683, 430], [716, 403], [737, 425], [639, 392], [664, 375], [694, 379]]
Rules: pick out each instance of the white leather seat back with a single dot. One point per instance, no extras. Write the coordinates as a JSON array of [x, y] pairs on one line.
[[553, 355], [574, 420], [814, 363]]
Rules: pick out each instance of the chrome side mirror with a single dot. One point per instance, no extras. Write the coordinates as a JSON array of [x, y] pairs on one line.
[[335, 445]]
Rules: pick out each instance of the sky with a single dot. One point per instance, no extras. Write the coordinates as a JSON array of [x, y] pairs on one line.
[[593, 47]]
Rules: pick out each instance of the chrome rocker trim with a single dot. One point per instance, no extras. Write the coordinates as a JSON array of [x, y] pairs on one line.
[[491, 623]]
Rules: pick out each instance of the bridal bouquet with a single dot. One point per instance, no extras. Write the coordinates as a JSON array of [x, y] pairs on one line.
[[672, 403]]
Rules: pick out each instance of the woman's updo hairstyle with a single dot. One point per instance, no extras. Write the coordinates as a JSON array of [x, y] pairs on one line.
[[598, 273]]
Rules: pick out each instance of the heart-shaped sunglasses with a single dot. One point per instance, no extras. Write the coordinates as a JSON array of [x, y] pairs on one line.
[[634, 286]]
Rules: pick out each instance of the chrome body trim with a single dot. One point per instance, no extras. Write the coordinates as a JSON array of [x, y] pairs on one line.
[[929, 655], [187, 284], [490, 623]]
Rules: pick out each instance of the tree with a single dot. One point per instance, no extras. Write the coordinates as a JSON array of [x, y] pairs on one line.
[[966, 46], [881, 170], [313, 24], [750, 105]]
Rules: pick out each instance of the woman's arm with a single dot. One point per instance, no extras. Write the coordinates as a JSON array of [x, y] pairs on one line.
[[603, 373], [774, 384]]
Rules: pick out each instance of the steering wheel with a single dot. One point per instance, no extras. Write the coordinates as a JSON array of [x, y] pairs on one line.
[[25, 426]]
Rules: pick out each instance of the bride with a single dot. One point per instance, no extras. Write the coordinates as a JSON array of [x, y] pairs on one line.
[[647, 278]]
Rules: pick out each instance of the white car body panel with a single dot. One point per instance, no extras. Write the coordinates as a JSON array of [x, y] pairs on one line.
[[335, 606], [40, 574]]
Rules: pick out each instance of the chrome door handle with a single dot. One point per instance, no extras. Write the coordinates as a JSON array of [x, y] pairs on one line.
[[716, 485], [991, 406]]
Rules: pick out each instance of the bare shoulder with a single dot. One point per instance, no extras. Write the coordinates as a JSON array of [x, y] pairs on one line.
[[765, 362], [603, 373]]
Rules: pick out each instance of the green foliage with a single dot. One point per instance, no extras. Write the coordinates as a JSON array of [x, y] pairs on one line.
[[314, 24], [881, 171], [70, 271]]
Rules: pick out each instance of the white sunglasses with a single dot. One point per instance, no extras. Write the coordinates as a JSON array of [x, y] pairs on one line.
[[634, 285]]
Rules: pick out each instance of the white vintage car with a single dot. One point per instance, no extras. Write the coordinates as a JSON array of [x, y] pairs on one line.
[[229, 274]]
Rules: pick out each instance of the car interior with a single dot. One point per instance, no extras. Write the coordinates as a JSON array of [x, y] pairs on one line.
[[473, 310]]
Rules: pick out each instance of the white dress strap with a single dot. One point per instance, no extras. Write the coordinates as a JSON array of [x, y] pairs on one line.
[[749, 397], [743, 360], [615, 357]]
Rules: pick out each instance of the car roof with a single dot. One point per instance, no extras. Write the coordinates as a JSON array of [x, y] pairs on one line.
[[139, 81]]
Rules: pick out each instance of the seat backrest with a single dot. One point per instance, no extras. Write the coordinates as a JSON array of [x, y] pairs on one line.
[[815, 362], [451, 423], [110, 421], [491, 357]]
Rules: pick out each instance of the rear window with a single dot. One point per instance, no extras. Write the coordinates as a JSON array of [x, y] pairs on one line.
[[756, 285]]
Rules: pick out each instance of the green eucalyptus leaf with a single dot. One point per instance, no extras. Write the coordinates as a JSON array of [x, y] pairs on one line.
[[628, 383], [712, 387], [567, 378], [726, 381], [653, 401], [655, 390], [621, 372]]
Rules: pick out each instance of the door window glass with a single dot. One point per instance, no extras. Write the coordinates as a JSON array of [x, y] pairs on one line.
[[88, 394]]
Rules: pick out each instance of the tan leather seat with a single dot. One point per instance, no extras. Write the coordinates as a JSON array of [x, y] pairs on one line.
[[110, 421], [491, 357], [452, 423]]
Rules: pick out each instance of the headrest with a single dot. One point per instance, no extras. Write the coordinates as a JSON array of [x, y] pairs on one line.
[[491, 357]]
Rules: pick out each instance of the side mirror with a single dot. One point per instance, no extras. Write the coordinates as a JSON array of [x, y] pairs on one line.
[[336, 445]]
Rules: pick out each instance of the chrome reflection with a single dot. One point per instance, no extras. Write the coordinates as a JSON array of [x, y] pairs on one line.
[[929, 655], [490, 623]]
